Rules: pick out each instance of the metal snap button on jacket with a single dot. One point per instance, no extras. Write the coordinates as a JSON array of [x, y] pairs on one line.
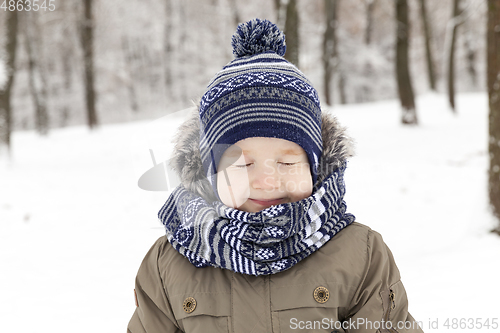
[[189, 304], [321, 295]]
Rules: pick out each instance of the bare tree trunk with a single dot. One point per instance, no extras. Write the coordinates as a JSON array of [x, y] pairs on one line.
[[167, 48], [342, 85], [330, 55], [471, 50], [129, 63], [366, 89], [370, 5], [37, 79], [66, 56], [281, 6], [88, 58], [493, 60], [405, 88], [6, 84], [182, 52], [428, 50], [292, 33], [236, 13], [451, 54]]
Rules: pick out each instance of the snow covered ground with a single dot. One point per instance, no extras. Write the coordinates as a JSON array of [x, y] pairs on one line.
[[74, 226]]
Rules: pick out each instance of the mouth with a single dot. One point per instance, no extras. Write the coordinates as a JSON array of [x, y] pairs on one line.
[[267, 203]]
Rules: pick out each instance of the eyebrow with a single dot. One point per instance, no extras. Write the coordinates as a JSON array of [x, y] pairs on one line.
[[290, 152], [237, 152]]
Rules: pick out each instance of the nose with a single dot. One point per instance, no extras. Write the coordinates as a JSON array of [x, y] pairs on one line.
[[265, 178]]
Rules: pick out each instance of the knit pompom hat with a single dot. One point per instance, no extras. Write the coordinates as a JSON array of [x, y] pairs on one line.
[[259, 94]]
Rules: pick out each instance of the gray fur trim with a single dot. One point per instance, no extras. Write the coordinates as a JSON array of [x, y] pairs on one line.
[[186, 161], [337, 146]]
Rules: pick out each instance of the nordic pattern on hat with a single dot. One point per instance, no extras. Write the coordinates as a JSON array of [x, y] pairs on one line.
[[259, 95]]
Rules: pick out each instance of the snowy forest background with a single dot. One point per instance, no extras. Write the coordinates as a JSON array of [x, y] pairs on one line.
[[156, 56]]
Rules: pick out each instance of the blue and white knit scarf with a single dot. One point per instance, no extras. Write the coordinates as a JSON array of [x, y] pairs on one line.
[[266, 242]]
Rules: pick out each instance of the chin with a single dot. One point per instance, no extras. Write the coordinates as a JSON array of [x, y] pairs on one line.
[[249, 210]]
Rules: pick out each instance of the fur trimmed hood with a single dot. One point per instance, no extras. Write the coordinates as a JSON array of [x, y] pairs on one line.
[[186, 161]]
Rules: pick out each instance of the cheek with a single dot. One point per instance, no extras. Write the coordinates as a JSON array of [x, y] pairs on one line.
[[304, 189], [235, 195], [299, 186], [223, 191]]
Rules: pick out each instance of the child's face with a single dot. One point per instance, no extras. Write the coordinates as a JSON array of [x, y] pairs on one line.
[[263, 172]]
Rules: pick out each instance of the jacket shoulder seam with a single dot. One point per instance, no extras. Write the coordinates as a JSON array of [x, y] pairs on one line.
[[161, 243], [367, 257]]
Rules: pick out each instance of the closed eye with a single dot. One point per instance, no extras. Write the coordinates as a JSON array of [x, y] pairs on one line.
[[288, 164], [242, 165]]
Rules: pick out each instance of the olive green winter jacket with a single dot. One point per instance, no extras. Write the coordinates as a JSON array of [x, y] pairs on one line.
[[351, 284]]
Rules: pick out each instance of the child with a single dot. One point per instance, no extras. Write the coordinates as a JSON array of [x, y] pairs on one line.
[[258, 238]]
